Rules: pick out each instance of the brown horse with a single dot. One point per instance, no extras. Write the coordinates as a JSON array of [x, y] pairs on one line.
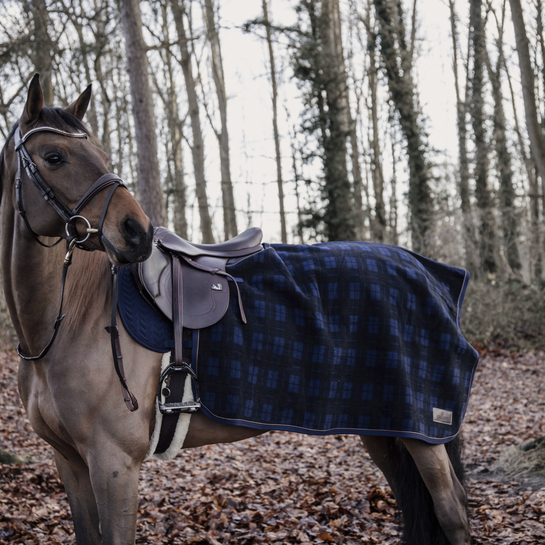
[[72, 394]]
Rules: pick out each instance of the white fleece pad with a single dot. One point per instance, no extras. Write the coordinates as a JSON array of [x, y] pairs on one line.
[[181, 427]]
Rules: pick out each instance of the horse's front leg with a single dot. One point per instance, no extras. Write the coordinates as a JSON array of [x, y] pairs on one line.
[[114, 476], [77, 483]]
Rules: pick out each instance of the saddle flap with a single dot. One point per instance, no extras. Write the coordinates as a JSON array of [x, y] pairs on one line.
[[205, 295]]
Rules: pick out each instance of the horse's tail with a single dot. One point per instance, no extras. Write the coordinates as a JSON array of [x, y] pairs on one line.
[[419, 523]]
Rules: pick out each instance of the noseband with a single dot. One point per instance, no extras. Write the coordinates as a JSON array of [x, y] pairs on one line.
[[25, 162]]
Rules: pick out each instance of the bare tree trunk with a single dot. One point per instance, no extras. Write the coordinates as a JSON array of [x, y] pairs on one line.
[[229, 211], [463, 160], [91, 115], [42, 54], [541, 40], [177, 188], [279, 181], [101, 36], [533, 191], [487, 230], [197, 149], [296, 179], [393, 221], [507, 191], [377, 176], [149, 181], [106, 105], [355, 155], [359, 218], [533, 125], [412, 46], [339, 125], [397, 62]]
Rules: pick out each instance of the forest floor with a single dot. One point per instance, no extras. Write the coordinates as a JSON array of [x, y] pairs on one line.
[[288, 488]]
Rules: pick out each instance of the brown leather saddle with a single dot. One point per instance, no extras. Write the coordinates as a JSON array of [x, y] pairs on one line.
[[197, 270], [188, 284]]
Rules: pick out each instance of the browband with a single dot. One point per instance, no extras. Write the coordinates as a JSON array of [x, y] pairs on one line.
[[18, 140]]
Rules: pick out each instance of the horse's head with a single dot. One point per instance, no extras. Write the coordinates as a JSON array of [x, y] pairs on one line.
[[56, 151]]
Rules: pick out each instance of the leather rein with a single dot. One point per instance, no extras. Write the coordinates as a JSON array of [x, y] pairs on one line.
[[69, 216]]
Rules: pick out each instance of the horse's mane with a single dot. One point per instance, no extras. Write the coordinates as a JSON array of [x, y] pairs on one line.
[[52, 117], [88, 285]]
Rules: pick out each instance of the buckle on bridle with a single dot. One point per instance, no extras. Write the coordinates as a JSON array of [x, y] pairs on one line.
[[90, 230], [69, 251]]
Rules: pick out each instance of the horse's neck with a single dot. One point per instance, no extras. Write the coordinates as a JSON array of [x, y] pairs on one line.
[[32, 286]]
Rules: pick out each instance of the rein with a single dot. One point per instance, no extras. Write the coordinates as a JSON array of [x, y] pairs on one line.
[[24, 162]]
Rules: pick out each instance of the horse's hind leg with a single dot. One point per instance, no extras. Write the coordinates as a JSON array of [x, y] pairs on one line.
[[448, 495], [75, 477], [379, 450]]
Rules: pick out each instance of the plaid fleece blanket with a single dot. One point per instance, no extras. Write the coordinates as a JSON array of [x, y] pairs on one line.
[[341, 338]]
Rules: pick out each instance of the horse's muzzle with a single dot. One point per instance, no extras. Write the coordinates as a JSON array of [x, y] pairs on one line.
[[138, 242]]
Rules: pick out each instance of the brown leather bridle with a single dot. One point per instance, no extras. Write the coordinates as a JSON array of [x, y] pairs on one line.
[[69, 216], [24, 162]]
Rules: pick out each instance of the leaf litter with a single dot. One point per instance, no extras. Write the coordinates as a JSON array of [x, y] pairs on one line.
[[290, 488]]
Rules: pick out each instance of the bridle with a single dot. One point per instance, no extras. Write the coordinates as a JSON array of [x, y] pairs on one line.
[[25, 162], [69, 216]]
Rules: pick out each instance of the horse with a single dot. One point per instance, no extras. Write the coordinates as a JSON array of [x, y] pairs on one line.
[[67, 382]]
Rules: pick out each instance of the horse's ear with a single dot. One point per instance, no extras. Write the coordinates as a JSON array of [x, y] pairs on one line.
[[80, 105], [34, 102]]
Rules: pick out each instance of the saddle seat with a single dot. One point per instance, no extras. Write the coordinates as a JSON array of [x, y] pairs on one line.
[[241, 245], [198, 271]]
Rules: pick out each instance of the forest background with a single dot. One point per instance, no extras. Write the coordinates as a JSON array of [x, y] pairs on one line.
[[413, 122], [410, 122]]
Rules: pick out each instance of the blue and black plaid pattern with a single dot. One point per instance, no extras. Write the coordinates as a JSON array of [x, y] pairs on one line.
[[341, 338]]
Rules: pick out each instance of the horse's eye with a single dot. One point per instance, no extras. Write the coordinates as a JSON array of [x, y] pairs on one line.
[[53, 159]]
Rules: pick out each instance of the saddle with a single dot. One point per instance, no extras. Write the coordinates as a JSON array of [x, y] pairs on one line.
[[188, 284], [198, 270]]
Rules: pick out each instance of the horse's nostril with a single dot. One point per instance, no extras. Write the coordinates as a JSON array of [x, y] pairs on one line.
[[138, 240], [132, 231]]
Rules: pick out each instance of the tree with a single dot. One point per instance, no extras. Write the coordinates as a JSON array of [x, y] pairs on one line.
[[229, 212], [487, 228], [536, 251], [463, 159], [149, 180], [197, 148], [396, 59], [279, 181], [168, 93], [317, 65], [506, 193], [42, 54], [377, 175], [533, 125]]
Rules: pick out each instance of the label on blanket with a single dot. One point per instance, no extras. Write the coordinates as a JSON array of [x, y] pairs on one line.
[[442, 416]]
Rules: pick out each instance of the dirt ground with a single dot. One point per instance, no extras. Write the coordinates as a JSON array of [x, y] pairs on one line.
[[287, 488]]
